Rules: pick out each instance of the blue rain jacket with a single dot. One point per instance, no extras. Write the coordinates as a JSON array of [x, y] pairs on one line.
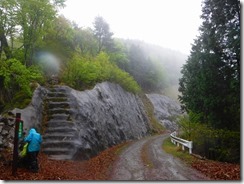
[[34, 139]]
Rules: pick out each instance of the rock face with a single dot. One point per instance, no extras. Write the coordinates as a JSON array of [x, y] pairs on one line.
[[32, 114], [81, 124], [106, 116], [166, 110]]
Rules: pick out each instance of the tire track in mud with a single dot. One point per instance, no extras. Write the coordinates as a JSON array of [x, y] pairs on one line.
[[164, 166]]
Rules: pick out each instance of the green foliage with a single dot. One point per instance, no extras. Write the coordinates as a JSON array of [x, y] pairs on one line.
[[156, 127], [119, 55], [60, 38], [16, 79], [81, 73], [148, 74], [26, 22], [210, 84], [188, 125], [176, 151], [216, 144], [102, 34], [153, 67]]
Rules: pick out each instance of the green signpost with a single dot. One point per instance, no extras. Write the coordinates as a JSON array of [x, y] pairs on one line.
[[20, 132]]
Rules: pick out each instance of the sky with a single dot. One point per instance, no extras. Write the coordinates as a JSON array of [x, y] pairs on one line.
[[169, 23]]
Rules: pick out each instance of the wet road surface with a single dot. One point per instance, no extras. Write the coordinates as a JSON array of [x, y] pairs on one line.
[[130, 166]]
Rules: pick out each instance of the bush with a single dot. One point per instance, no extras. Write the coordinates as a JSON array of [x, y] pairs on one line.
[[216, 144], [82, 73], [15, 81], [221, 145]]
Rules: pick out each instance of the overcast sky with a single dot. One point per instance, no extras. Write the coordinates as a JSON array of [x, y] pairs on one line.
[[168, 23]]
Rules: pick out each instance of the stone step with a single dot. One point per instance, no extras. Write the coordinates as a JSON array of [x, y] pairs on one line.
[[54, 105], [60, 123], [56, 94], [61, 129], [57, 99], [58, 137], [60, 157], [59, 111], [58, 151], [58, 89], [60, 144], [59, 117]]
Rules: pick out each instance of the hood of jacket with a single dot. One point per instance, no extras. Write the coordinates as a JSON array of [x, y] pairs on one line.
[[32, 130]]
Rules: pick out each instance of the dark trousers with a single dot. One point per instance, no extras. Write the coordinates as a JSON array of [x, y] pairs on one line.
[[32, 160]]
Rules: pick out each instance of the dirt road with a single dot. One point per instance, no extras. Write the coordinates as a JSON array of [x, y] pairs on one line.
[[159, 165]]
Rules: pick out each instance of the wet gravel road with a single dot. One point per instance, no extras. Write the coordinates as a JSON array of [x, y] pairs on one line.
[[163, 166]]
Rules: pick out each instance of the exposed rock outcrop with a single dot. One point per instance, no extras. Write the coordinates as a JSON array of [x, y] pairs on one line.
[[166, 110], [82, 123], [32, 114], [106, 116]]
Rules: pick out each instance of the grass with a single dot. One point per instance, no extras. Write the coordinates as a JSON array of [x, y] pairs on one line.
[[176, 151], [155, 125]]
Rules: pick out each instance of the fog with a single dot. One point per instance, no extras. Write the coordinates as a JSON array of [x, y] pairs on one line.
[[170, 24]]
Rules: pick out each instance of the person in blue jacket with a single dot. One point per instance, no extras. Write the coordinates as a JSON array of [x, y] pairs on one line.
[[34, 139]]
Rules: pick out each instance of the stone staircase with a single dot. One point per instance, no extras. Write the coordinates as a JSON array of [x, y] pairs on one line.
[[60, 138]]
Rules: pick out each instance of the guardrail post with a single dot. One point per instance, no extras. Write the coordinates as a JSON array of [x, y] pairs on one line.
[[183, 148], [184, 143], [190, 147]]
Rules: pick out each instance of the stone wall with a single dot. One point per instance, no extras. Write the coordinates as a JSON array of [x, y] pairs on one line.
[[6, 132]]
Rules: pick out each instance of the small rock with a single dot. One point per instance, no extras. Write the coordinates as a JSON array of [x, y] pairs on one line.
[[11, 132], [4, 132], [11, 113], [11, 122], [4, 120]]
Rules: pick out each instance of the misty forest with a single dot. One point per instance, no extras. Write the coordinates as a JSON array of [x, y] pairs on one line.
[[40, 49]]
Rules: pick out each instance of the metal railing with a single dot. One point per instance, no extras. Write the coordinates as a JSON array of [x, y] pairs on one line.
[[183, 142]]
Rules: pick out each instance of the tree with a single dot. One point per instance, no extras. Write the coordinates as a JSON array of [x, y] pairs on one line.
[[149, 75], [35, 17], [60, 38], [210, 84], [8, 21], [103, 34], [85, 41], [119, 55], [27, 21]]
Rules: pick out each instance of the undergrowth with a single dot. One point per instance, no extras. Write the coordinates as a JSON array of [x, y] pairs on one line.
[[176, 151], [156, 127]]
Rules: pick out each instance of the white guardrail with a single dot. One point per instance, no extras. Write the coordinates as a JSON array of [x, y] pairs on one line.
[[184, 143]]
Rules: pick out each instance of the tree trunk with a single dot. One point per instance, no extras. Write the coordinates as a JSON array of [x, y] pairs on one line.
[[4, 44]]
